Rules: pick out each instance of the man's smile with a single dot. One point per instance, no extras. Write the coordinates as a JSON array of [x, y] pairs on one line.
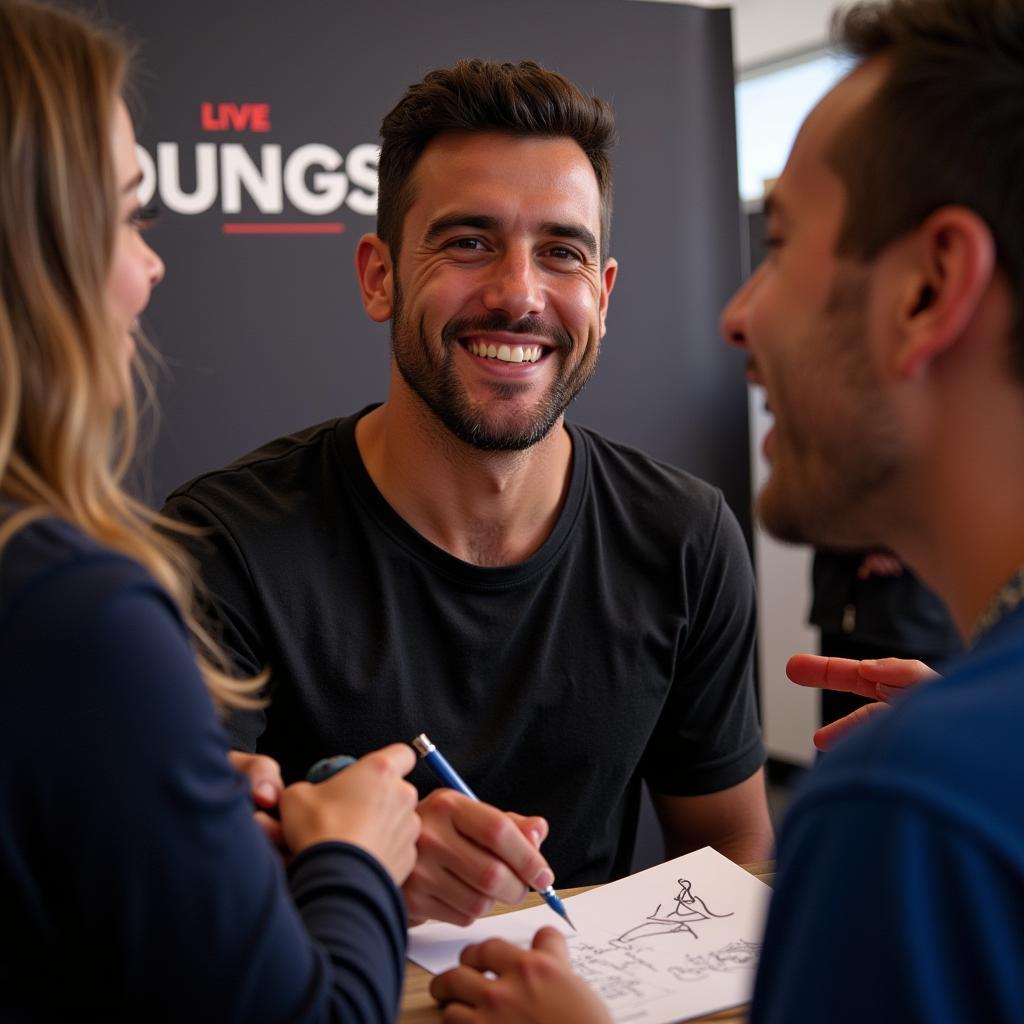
[[504, 352]]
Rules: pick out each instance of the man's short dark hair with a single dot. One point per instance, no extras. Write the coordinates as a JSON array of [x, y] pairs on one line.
[[484, 96], [945, 127]]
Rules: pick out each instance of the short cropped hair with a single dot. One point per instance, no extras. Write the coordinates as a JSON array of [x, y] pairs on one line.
[[945, 127], [484, 96]]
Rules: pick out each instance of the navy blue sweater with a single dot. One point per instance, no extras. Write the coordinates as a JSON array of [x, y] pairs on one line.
[[133, 879]]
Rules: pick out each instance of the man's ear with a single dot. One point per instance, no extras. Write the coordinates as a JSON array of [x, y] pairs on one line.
[[376, 277], [953, 258], [609, 272]]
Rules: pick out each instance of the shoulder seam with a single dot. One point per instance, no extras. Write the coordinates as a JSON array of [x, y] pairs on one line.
[[235, 467]]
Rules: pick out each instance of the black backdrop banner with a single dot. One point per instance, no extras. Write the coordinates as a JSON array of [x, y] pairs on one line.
[[258, 127]]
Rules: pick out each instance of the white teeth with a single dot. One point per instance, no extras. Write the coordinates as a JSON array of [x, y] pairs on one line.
[[507, 353]]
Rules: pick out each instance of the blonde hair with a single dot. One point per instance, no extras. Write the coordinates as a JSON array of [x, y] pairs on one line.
[[64, 447]]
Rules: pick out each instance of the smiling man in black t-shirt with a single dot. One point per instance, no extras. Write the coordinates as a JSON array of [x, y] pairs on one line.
[[564, 616]]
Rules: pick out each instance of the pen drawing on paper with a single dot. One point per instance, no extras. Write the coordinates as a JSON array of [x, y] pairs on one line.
[[688, 910], [674, 941]]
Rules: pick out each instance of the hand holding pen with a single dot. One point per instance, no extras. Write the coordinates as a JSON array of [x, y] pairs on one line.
[[439, 765], [470, 855]]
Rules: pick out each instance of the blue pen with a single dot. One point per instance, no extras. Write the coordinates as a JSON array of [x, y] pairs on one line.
[[439, 765]]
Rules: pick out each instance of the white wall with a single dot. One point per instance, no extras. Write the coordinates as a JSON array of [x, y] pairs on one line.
[[768, 30]]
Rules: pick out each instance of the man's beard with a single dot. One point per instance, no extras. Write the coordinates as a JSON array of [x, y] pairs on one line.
[[436, 381], [826, 483]]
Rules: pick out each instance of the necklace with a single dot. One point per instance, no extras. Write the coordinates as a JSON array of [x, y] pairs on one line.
[[1009, 596]]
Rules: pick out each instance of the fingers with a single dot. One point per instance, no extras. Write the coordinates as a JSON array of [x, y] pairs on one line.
[[895, 673], [875, 678], [433, 893], [459, 985], [495, 833], [534, 827], [829, 674], [552, 942], [459, 1013], [472, 855], [368, 804], [271, 828], [495, 955], [398, 759], [498, 981], [885, 679], [826, 737], [264, 775]]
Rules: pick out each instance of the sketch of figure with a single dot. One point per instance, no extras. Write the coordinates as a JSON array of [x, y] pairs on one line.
[[689, 909]]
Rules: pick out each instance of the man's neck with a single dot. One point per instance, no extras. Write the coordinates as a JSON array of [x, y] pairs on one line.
[[977, 547], [486, 508], [964, 534]]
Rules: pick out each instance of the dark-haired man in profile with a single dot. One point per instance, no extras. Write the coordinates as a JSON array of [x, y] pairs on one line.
[[886, 329], [564, 616]]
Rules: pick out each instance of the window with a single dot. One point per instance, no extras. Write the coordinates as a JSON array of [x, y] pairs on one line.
[[770, 106]]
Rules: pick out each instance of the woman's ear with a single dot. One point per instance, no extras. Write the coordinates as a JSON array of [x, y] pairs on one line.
[[375, 274]]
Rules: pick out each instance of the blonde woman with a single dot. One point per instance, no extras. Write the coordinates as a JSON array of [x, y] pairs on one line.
[[133, 878]]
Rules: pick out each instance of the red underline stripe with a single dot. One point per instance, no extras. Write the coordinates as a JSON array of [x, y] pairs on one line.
[[279, 228]]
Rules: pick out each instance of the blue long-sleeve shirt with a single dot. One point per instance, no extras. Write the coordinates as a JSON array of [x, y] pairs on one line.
[[899, 895], [133, 879]]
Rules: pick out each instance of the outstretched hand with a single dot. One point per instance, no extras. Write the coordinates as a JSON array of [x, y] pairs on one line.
[[499, 983], [881, 679]]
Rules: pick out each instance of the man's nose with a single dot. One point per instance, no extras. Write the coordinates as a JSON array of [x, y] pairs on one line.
[[515, 286], [733, 323]]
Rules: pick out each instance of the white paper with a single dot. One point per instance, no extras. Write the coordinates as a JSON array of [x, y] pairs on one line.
[[675, 941]]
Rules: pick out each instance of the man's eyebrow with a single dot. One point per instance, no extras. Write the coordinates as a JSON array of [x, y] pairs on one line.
[[133, 185], [438, 227], [575, 233]]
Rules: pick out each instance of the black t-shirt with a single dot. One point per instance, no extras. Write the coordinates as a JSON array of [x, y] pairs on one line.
[[620, 650]]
